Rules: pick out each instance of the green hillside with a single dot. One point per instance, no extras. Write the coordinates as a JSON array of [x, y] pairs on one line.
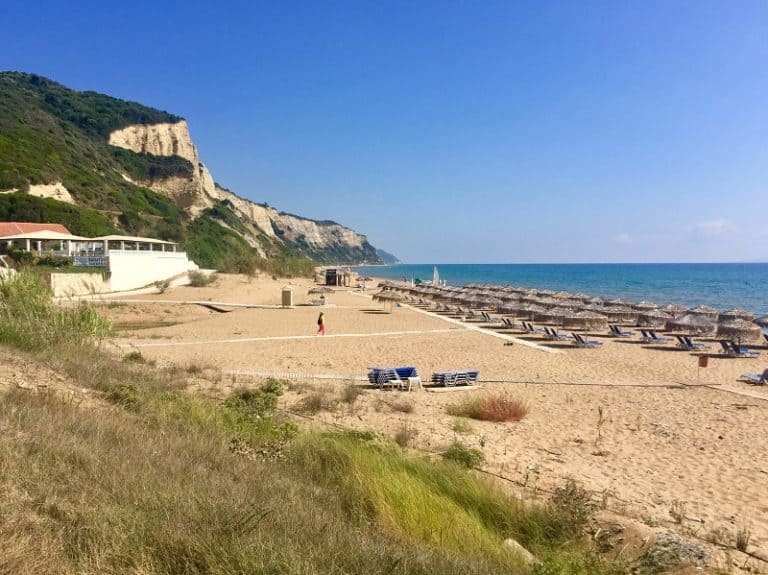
[[49, 133]]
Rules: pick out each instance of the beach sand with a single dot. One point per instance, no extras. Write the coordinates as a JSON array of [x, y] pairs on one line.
[[675, 436]]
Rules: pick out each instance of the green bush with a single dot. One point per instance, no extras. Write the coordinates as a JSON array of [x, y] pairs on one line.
[[274, 386], [463, 455]]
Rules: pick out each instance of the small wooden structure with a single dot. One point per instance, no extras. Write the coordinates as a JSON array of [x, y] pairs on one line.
[[287, 296]]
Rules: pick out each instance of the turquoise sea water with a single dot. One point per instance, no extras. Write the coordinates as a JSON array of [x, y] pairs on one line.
[[722, 286]]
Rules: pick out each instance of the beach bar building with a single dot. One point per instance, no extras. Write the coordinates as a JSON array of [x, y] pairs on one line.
[[127, 262]]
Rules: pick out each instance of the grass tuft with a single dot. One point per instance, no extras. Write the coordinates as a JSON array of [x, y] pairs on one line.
[[463, 455], [496, 407]]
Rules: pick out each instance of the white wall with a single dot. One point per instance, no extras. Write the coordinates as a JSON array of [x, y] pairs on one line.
[[135, 269]]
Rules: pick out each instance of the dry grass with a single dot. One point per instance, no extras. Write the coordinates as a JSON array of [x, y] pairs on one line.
[[351, 393], [403, 405], [315, 402], [496, 407], [405, 435], [743, 535]]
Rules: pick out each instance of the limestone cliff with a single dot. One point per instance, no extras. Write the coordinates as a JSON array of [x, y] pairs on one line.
[[323, 241]]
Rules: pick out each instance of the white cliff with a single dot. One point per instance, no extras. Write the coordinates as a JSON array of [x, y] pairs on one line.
[[199, 192]]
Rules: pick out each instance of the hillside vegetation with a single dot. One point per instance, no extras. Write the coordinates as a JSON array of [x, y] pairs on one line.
[[133, 474], [49, 133]]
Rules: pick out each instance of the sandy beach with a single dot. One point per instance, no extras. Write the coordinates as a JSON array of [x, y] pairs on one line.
[[675, 436]]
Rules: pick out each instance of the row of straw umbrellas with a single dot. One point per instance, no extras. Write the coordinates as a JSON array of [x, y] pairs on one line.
[[581, 310]]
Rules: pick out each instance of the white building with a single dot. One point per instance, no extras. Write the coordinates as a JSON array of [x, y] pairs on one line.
[[128, 262]]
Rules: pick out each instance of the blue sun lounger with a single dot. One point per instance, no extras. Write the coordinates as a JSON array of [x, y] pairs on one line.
[[401, 377]]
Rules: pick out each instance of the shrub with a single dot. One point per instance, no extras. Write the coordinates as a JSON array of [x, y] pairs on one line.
[[574, 504], [201, 279], [462, 425], [274, 386], [463, 455], [316, 402], [252, 402], [499, 407], [162, 285], [402, 405], [134, 357]]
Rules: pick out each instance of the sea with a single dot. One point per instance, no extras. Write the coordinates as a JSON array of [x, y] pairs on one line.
[[722, 286]]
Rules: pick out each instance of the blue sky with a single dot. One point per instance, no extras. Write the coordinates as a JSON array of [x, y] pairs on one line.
[[453, 131]]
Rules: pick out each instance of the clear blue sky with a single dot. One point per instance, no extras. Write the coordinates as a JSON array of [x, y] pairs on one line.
[[453, 131]]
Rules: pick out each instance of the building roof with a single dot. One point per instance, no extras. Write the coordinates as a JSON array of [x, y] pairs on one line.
[[16, 228], [132, 239], [44, 235]]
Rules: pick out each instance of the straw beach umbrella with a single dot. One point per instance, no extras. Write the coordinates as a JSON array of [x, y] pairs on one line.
[[692, 323], [387, 297], [762, 321], [653, 318], [319, 289], [733, 314], [739, 329], [705, 311], [675, 310], [586, 320]]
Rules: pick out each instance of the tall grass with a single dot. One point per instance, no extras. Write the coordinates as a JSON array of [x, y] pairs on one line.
[[157, 480], [31, 321], [437, 504]]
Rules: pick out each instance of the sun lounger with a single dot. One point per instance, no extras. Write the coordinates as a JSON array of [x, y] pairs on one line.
[[555, 335], [508, 322], [453, 378], [616, 331], [686, 343], [400, 377], [489, 318], [756, 378], [732, 349], [581, 341], [658, 338], [530, 328]]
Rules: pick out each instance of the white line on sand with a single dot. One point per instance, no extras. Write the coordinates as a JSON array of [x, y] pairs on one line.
[[282, 338]]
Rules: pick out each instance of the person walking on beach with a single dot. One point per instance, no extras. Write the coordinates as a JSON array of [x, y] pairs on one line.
[[321, 324]]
